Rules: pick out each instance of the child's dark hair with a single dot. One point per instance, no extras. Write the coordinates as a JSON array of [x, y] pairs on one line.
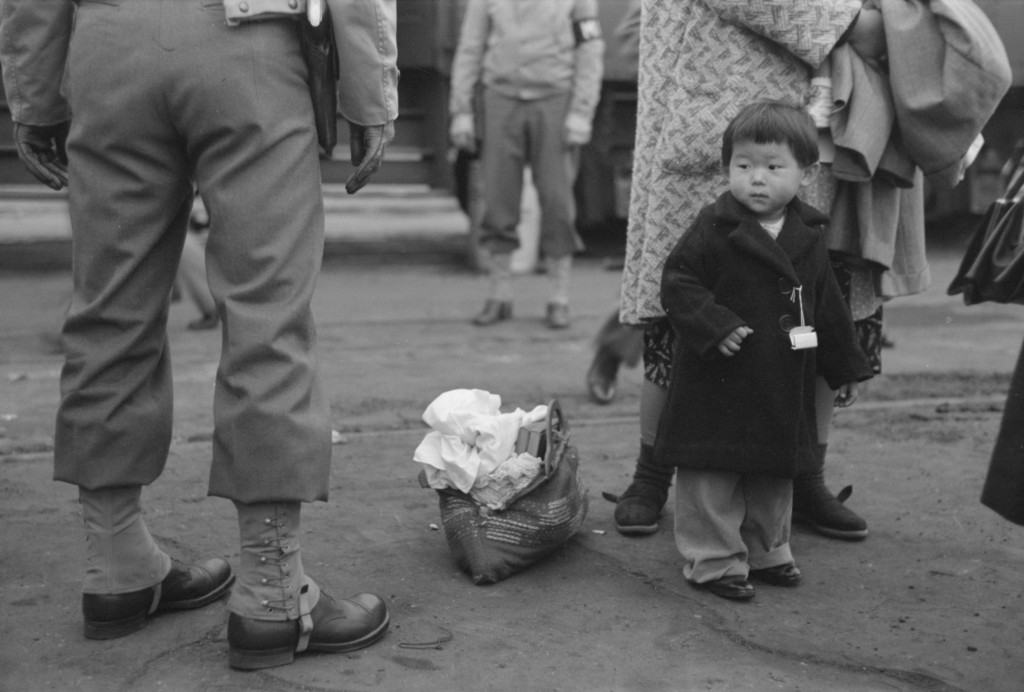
[[773, 122]]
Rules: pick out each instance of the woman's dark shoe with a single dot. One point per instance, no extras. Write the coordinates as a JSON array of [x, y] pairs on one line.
[[337, 627], [816, 506], [109, 616], [780, 575], [733, 587], [601, 376], [639, 507], [494, 311]]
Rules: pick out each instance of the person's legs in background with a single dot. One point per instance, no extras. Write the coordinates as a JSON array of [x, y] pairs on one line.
[[615, 344], [554, 166], [503, 157], [191, 280]]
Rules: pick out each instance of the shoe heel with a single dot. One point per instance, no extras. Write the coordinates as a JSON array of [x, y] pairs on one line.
[[255, 660], [114, 629]]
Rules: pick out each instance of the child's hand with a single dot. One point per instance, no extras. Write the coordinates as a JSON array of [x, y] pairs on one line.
[[846, 395], [730, 345]]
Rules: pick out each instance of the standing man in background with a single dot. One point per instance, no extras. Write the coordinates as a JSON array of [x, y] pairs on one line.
[[540, 63], [208, 94]]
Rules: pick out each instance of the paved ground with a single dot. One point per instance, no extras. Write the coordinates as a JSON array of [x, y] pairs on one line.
[[932, 600]]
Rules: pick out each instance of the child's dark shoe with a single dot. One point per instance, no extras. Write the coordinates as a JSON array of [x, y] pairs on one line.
[[780, 575], [733, 587]]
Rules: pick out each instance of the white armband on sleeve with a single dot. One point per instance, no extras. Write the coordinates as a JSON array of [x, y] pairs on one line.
[[586, 29]]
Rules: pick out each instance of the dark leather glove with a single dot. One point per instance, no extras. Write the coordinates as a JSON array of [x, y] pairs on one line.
[[42, 149], [367, 144]]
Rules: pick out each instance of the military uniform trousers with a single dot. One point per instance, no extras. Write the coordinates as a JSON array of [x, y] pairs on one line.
[[164, 92], [517, 132]]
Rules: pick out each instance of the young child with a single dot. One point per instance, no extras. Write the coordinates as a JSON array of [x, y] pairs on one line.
[[758, 314]]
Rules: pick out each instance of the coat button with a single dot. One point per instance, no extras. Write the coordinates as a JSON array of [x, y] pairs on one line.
[[293, 4], [243, 7], [785, 286], [786, 323]]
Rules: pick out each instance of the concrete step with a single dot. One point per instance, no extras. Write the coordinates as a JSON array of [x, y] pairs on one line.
[[401, 222]]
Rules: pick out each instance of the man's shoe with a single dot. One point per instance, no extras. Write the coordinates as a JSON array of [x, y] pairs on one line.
[[109, 616], [494, 311], [558, 315], [601, 376], [338, 626]]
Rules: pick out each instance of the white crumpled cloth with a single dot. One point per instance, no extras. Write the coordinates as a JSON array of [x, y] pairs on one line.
[[470, 442]]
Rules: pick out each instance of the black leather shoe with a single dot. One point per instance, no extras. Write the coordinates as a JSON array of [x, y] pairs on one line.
[[494, 311], [338, 626], [109, 616], [558, 316]]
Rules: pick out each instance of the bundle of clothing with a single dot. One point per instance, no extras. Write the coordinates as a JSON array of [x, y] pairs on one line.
[[917, 115]]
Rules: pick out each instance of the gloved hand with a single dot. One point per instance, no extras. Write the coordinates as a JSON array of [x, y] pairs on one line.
[[577, 129], [462, 132], [367, 144], [42, 149]]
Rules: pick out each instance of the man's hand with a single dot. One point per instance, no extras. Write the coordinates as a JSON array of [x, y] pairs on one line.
[[577, 130], [730, 345], [42, 149], [367, 144], [462, 133]]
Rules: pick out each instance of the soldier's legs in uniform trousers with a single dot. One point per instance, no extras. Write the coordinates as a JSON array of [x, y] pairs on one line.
[[256, 162], [249, 144], [255, 158], [248, 140], [129, 199], [727, 524]]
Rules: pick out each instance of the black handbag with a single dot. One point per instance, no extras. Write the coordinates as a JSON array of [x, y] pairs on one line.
[[491, 545], [993, 265], [321, 54]]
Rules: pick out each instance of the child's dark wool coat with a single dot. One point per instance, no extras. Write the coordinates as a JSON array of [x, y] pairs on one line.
[[753, 412]]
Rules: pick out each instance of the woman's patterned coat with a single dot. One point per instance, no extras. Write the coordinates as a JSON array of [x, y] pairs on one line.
[[700, 61]]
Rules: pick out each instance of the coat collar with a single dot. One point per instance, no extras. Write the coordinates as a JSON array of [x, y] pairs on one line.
[[746, 235]]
